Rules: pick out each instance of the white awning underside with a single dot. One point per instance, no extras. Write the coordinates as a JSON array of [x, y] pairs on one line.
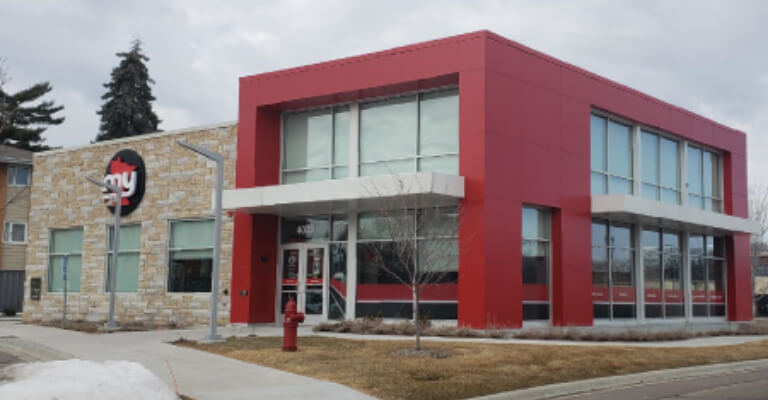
[[420, 189], [637, 209]]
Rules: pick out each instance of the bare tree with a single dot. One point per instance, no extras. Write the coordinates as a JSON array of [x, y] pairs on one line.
[[758, 212], [413, 240], [3, 100]]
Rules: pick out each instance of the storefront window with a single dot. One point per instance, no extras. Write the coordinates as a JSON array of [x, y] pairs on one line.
[[535, 264], [127, 258], [611, 156], [663, 284], [191, 256], [613, 280], [65, 243], [393, 247], [707, 254]]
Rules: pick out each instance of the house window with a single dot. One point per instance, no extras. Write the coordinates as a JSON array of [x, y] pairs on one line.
[[707, 254], [15, 232], [18, 175], [127, 258], [611, 156], [191, 256], [65, 244], [535, 264], [704, 179], [660, 168], [613, 266]]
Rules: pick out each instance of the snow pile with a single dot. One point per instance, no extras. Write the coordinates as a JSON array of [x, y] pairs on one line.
[[79, 379]]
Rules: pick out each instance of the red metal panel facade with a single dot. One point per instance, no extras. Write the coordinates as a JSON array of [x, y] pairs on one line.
[[523, 140]]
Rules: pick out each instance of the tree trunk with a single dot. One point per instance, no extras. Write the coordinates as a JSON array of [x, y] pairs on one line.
[[416, 322]]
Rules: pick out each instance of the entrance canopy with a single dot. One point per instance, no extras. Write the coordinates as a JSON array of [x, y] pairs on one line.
[[637, 209], [419, 189]]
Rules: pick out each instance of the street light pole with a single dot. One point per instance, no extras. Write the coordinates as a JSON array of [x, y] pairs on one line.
[[118, 191], [219, 159]]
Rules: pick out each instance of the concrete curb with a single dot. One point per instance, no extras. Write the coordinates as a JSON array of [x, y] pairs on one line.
[[30, 351], [617, 382]]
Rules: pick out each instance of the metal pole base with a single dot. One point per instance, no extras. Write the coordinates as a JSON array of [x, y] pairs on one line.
[[212, 339], [111, 326]]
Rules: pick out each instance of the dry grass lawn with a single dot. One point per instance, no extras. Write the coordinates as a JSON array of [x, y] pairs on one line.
[[474, 368]]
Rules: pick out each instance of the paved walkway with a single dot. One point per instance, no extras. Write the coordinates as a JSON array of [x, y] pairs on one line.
[[198, 374]]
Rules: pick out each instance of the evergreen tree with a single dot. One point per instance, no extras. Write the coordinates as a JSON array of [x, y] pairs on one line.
[[127, 110], [22, 124]]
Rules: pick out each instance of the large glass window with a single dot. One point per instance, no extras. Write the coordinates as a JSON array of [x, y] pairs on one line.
[[413, 132], [191, 256], [315, 145], [127, 258], [535, 264], [417, 132], [611, 158], [660, 168], [613, 280], [707, 255], [662, 273], [392, 247], [65, 244], [704, 179]]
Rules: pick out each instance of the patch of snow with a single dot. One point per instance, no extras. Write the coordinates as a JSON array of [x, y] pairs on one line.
[[80, 379]]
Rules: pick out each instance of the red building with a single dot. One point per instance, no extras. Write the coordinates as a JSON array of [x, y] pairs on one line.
[[582, 201]]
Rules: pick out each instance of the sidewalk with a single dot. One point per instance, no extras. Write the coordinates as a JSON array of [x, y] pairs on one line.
[[198, 374]]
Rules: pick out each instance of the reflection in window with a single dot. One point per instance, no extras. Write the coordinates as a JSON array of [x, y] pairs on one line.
[[704, 179], [613, 280], [315, 145], [660, 168], [191, 256], [417, 132], [707, 255], [535, 263], [662, 273], [611, 156]]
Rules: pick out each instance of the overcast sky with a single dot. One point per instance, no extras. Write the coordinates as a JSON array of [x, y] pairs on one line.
[[710, 57]]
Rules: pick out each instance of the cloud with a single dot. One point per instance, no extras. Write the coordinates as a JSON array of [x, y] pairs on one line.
[[707, 56]]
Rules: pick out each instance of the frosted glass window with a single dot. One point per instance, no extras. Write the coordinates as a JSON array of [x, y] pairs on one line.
[[439, 122], [307, 140], [65, 243], [128, 258], [341, 136], [388, 129]]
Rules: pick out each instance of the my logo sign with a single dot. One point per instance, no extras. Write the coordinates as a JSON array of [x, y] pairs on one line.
[[126, 171]]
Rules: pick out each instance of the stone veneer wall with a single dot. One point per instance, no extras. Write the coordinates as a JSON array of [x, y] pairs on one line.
[[179, 185]]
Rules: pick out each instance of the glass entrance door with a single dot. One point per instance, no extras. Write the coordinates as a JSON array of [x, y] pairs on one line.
[[304, 267]]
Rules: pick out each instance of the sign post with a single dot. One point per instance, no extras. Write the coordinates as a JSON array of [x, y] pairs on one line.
[[118, 199], [64, 263], [219, 159]]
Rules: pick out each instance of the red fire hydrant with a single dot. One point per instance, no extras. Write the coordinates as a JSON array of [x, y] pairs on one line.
[[290, 325]]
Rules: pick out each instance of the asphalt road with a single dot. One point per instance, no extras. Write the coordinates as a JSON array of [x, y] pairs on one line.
[[744, 385]]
